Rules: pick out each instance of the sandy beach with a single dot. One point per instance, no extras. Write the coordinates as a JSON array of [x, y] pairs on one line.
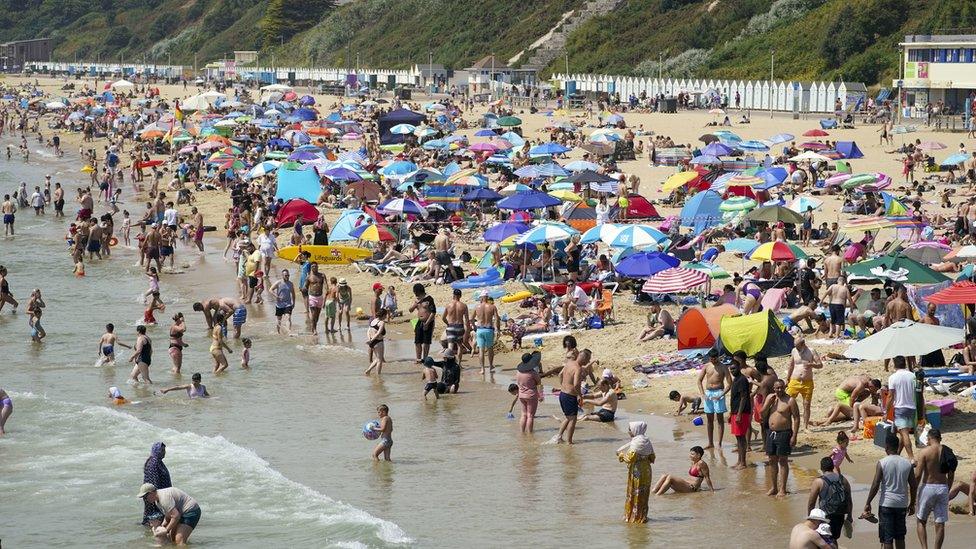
[[616, 345]]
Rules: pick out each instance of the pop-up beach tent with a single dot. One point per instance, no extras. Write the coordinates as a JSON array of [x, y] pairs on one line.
[[292, 209], [399, 116], [302, 184], [699, 328], [345, 224], [701, 211], [849, 149], [758, 334]]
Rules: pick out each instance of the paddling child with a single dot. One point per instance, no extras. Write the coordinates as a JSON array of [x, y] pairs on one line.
[[246, 353], [386, 434], [684, 402], [194, 390], [430, 378], [106, 345]]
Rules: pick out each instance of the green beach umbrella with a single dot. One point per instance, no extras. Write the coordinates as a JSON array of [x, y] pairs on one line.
[[911, 271], [509, 121]]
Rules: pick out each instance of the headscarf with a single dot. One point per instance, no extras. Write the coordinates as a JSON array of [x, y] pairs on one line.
[[639, 444], [155, 472]]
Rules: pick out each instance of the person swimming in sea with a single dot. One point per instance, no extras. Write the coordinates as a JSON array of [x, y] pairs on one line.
[[106, 346], [116, 396], [194, 390]]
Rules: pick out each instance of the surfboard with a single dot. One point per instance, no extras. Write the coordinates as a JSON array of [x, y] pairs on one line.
[[327, 255]]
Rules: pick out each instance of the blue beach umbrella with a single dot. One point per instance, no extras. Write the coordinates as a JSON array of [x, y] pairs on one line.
[[528, 200], [638, 236], [646, 264], [550, 148], [505, 229], [398, 168], [481, 193]]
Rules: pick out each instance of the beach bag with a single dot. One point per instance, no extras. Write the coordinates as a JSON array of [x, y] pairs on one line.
[[948, 461], [594, 322], [833, 498]]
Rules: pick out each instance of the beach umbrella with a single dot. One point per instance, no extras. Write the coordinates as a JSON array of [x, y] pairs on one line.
[[772, 177], [436, 144], [372, 233], [550, 170], [912, 271], [772, 214], [599, 149], [638, 236], [403, 129], [55, 105], [711, 269], [487, 147], [815, 133], [262, 169], [837, 179], [960, 293], [717, 149], [581, 165], [481, 193], [905, 338], [550, 148], [708, 138], [705, 160], [744, 245], [744, 180], [867, 224], [809, 156], [679, 179], [781, 138], [341, 173], [753, 145], [509, 121], [951, 160], [527, 200], [874, 180], [776, 251], [604, 232], [402, 206], [801, 203], [514, 188], [964, 253], [588, 176], [398, 168], [546, 232], [737, 204], [122, 84], [716, 111], [364, 190], [926, 252], [645, 264], [500, 231], [485, 132], [613, 120], [930, 146], [673, 280], [425, 131], [813, 146], [566, 196], [303, 156], [604, 138]]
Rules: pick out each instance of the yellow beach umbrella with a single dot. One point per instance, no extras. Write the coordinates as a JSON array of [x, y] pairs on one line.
[[679, 179], [565, 195]]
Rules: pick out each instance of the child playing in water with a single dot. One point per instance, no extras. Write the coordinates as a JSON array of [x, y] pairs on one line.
[[390, 302], [126, 227], [116, 396], [35, 308], [839, 454], [106, 346], [246, 353], [684, 401], [194, 390], [153, 276], [156, 304], [430, 378], [386, 433], [259, 287]]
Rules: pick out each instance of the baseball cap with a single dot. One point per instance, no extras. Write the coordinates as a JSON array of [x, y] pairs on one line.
[[376, 286], [150, 487]]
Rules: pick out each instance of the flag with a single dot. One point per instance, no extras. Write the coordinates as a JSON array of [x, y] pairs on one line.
[[178, 112]]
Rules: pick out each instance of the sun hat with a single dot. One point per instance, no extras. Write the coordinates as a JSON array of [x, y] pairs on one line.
[[342, 282], [817, 515], [530, 362], [146, 489]]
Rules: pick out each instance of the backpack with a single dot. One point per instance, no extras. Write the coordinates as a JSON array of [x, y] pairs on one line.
[[947, 460], [833, 497]]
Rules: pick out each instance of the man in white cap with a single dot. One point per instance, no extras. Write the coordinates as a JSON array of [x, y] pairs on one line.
[[812, 533], [180, 512]]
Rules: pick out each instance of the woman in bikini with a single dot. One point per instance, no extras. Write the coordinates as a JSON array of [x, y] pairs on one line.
[[375, 336], [698, 474], [749, 296], [218, 344], [6, 408], [176, 344]]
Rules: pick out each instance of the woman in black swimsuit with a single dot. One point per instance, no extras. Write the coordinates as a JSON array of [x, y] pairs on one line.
[[5, 295], [141, 355]]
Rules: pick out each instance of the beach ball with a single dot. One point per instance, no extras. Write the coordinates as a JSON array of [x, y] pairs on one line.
[[371, 430], [359, 311]]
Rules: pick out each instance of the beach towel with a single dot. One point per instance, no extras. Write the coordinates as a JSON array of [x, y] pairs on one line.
[[774, 298], [675, 365]]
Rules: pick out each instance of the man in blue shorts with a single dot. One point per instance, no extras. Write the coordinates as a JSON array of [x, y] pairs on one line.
[[711, 385]]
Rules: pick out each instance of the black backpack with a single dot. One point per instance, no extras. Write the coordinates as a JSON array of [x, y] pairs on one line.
[[833, 497], [947, 461]]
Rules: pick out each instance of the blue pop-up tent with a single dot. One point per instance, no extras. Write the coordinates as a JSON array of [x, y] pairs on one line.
[[849, 149], [345, 224], [399, 116], [702, 211], [302, 184]]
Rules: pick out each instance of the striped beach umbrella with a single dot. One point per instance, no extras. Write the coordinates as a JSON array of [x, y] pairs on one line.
[[547, 232], [673, 280], [402, 206], [711, 269], [867, 224], [638, 236], [776, 251], [372, 233], [601, 233], [737, 204]]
